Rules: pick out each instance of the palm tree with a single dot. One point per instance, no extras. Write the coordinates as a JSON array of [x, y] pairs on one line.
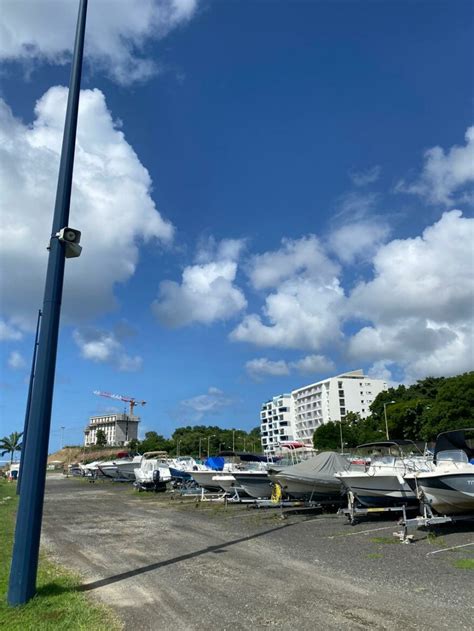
[[10, 444]]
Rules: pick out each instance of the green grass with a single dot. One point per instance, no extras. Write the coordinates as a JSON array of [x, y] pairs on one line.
[[464, 564], [375, 555], [387, 540], [57, 605]]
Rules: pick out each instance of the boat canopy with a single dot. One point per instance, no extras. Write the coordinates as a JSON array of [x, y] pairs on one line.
[[245, 456], [321, 467], [216, 463], [457, 439]]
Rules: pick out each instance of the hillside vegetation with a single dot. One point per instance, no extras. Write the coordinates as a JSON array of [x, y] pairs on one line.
[[418, 412]]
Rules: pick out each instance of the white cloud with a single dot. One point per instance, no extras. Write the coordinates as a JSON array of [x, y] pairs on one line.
[[111, 205], [258, 368], [420, 302], [209, 404], [207, 292], [262, 367], [358, 241], [445, 175], [303, 256], [9, 332], [363, 178], [16, 361], [104, 347], [429, 276], [354, 206], [313, 364], [116, 34], [300, 312], [382, 370]]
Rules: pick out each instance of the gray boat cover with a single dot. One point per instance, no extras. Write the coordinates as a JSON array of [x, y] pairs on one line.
[[321, 467]]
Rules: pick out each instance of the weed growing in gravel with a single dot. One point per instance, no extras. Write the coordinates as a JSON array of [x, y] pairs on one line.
[[384, 540], [464, 564], [375, 555], [433, 539]]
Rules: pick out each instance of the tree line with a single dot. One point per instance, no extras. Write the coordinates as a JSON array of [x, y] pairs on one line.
[[199, 441], [418, 412]]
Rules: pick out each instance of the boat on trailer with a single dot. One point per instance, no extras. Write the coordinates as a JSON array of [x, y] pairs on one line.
[[449, 487], [376, 477], [313, 479]]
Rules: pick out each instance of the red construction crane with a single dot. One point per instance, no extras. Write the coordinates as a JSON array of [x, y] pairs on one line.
[[133, 402]]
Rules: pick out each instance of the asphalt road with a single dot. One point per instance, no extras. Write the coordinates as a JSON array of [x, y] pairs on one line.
[[166, 565]]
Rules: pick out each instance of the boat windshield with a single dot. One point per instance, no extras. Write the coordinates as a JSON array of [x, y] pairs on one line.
[[385, 453], [452, 455]]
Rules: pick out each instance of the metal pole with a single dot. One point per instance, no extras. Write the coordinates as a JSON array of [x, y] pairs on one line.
[[233, 440], [22, 586], [340, 429], [200, 439], [386, 422], [61, 440], [28, 400]]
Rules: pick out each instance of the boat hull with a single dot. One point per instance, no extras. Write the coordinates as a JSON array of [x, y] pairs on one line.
[[258, 486], [205, 481], [229, 484], [448, 493], [381, 491]]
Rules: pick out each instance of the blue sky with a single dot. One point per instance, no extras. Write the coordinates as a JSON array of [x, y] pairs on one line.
[[269, 192]]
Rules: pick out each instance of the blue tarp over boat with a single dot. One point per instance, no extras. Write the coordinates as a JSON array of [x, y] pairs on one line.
[[216, 463]]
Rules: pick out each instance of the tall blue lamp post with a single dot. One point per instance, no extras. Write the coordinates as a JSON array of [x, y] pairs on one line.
[[64, 243]]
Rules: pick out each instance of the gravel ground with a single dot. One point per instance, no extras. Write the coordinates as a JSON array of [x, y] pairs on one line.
[[167, 564]]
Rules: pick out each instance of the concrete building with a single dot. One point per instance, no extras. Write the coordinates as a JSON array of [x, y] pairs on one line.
[[119, 429], [276, 422], [331, 400]]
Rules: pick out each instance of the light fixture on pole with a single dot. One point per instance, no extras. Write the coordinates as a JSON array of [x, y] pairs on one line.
[[385, 415]]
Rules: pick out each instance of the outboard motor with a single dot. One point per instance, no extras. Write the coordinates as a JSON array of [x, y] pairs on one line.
[[158, 484]]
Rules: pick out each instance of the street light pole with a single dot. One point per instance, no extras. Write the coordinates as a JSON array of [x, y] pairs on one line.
[[28, 401], [24, 566], [233, 440], [385, 415], [340, 430], [62, 437], [209, 443], [200, 441]]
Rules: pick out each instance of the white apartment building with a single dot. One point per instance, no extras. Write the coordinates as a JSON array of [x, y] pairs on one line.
[[331, 399], [276, 422], [119, 429]]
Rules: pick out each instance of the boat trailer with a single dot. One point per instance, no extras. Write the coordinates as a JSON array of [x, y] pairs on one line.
[[355, 510], [426, 520]]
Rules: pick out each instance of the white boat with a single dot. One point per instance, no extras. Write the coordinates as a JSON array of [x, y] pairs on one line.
[[204, 478], [379, 481], [228, 483], [239, 463], [150, 462], [120, 469], [449, 487], [256, 484], [313, 479]]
